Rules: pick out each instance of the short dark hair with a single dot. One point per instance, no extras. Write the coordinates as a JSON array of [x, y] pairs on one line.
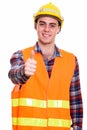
[[59, 21]]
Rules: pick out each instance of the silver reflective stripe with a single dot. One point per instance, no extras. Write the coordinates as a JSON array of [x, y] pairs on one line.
[[41, 103], [41, 122]]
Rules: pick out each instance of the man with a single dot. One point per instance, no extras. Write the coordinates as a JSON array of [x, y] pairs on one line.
[[47, 93]]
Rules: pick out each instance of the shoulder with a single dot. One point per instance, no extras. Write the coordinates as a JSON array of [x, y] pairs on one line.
[[66, 53], [27, 49], [68, 56], [26, 52]]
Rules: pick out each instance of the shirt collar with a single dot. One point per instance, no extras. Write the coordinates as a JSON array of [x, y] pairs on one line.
[[56, 52]]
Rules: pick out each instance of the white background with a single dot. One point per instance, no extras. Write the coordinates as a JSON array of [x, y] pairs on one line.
[[17, 32]]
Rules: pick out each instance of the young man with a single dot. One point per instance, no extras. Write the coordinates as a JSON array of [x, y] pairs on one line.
[[47, 93]]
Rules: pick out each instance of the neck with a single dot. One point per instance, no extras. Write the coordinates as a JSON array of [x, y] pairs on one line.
[[47, 50]]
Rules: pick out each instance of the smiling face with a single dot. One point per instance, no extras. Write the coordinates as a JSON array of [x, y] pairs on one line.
[[47, 29]]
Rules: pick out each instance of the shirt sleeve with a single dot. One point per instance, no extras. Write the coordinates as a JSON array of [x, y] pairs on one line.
[[76, 104], [16, 73]]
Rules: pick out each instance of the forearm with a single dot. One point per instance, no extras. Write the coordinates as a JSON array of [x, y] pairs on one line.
[[17, 76], [76, 103], [77, 111], [77, 128], [16, 73]]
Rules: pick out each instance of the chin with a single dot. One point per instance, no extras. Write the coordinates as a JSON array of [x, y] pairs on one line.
[[45, 42]]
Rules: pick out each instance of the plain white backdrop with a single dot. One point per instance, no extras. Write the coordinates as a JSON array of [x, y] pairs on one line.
[[17, 32]]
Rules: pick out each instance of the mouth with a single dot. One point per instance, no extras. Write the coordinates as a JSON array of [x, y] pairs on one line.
[[46, 35]]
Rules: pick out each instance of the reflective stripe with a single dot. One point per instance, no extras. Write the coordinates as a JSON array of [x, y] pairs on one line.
[[41, 122], [29, 102], [40, 103], [58, 104], [15, 102], [29, 122], [59, 122]]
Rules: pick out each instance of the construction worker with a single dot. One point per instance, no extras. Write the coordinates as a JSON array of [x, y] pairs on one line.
[[47, 93]]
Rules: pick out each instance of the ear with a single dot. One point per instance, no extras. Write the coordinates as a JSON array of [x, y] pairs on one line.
[[35, 25], [59, 29]]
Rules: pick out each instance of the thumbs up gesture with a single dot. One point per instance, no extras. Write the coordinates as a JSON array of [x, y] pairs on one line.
[[30, 65]]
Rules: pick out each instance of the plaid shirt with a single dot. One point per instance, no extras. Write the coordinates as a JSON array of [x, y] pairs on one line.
[[17, 76]]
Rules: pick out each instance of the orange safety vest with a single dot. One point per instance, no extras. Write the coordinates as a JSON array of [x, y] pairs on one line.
[[43, 103]]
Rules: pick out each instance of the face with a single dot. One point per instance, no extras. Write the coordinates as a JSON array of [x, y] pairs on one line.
[[47, 29]]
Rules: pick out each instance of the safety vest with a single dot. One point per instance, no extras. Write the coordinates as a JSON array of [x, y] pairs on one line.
[[43, 103]]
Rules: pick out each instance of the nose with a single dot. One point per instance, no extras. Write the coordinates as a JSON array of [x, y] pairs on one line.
[[46, 28]]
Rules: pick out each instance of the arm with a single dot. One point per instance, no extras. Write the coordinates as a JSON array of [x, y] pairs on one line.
[[21, 71], [76, 105], [16, 73]]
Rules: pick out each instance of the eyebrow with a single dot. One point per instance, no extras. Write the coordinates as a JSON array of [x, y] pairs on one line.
[[45, 22]]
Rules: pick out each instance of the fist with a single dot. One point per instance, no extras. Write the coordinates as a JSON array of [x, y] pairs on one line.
[[30, 65]]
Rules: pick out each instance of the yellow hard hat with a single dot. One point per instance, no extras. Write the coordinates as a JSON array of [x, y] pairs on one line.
[[50, 10]]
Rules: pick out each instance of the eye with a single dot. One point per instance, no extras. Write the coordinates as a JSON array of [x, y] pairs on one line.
[[41, 23], [52, 25]]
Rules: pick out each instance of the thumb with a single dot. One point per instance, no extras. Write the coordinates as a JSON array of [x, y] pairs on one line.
[[32, 53]]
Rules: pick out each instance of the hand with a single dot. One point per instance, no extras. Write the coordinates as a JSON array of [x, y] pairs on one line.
[[30, 65]]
